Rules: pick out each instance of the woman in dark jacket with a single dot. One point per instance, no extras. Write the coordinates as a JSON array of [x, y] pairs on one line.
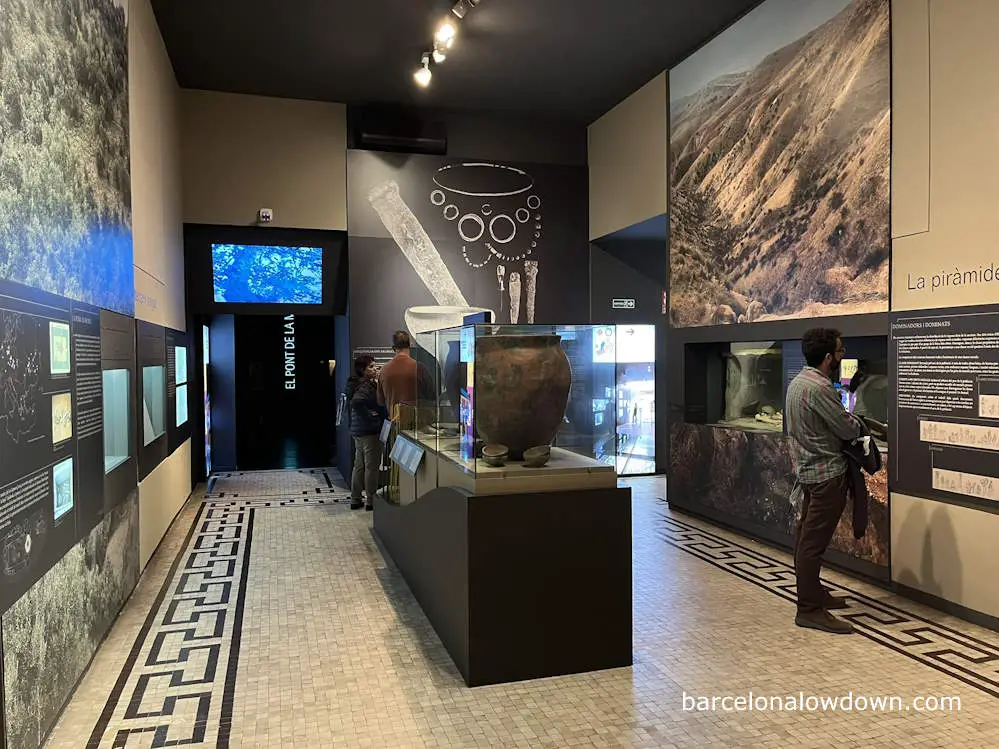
[[366, 418]]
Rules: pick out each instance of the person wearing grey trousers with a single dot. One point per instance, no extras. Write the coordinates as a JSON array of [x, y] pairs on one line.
[[366, 418]]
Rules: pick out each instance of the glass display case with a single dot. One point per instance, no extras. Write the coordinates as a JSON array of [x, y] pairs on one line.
[[754, 386], [180, 364], [742, 385], [181, 406], [116, 431], [862, 382], [505, 400], [153, 403]]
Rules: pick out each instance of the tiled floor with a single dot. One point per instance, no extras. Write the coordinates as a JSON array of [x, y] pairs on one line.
[[282, 625]]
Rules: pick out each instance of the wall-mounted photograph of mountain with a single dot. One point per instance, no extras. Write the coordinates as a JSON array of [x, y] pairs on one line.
[[780, 133]]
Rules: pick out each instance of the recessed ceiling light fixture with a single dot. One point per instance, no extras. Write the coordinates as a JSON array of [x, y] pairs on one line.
[[444, 38]]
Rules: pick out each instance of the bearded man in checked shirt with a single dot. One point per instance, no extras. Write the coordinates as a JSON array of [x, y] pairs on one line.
[[818, 425]]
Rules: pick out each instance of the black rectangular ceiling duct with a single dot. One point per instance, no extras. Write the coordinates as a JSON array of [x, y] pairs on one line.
[[395, 130]]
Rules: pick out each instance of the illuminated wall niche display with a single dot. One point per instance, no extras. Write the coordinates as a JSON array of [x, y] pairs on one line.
[[59, 348], [153, 403], [180, 357], [62, 488], [62, 417], [115, 418]]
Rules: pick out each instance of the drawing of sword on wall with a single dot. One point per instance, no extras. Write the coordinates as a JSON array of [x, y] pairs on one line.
[[514, 297], [417, 247], [531, 271], [501, 277]]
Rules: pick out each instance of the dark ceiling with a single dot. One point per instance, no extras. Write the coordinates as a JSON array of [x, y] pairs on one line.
[[556, 59]]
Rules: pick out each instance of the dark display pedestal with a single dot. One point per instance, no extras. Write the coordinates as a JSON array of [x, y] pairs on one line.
[[519, 586]]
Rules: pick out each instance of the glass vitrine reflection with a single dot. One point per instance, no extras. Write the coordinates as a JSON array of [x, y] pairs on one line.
[[116, 389], [153, 403]]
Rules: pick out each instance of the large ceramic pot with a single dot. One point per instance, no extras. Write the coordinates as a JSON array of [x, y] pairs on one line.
[[521, 390]]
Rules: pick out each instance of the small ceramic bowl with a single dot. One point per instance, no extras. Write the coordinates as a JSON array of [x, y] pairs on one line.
[[495, 455], [535, 457]]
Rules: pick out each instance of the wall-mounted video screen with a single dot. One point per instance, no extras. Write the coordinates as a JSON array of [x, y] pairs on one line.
[[267, 274]]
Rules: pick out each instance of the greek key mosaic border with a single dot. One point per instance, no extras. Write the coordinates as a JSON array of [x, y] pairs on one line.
[[174, 686], [968, 659], [177, 687], [178, 684], [305, 482]]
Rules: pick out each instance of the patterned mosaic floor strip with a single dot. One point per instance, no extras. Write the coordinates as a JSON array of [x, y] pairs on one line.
[[968, 659], [307, 481], [177, 687]]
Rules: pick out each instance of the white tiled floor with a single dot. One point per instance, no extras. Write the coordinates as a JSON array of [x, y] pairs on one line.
[[335, 652]]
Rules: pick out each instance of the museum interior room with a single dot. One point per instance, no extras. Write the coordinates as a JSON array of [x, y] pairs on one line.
[[604, 229]]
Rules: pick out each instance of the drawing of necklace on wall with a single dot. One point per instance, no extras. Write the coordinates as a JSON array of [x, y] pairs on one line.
[[494, 208]]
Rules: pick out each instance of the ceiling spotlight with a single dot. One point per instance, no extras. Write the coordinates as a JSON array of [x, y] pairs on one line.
[[439, 56], [445, 35], [463, 6], [423, 75]]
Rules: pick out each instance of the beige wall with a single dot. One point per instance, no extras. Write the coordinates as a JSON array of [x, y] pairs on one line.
[[945, 193], [158, 236], [243, 153], [946, 550], [154, 120], [161, 496], [627, 161]]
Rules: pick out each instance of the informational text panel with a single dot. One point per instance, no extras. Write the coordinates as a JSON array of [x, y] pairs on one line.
[[946, 422]]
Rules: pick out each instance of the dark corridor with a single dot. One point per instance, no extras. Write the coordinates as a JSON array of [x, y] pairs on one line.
[[285, 394]]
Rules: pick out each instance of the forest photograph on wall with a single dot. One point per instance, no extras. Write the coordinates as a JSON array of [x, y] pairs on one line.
[[779, 165], [65, 186]]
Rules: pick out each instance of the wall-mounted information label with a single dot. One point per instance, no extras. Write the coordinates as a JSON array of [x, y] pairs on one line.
[[946, 420], [51, 431], [959, 435], [622, 304], [967, 484], [407, 454]]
